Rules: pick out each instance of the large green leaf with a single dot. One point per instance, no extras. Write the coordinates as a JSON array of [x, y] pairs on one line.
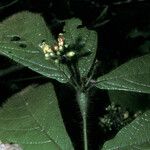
[[88, 38], [131, 76], [20, 36], [134, 136], [32, 118]]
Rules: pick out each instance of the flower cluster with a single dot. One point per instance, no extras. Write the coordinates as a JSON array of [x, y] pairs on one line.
[[115, 118], [59, 51]]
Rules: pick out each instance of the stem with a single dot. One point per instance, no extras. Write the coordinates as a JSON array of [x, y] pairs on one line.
[[73, 76], [85, 136], [77, 72], [93, 70], [82, 99]]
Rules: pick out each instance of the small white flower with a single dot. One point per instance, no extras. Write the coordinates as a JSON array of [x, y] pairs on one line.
[[45, 47]]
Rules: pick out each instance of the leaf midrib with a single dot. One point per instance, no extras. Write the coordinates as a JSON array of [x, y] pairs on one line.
[[40, 126]]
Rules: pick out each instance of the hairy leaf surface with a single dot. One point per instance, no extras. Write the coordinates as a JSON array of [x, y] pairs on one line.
[[83, 38], [134, 136], [20, 36], [131, 76], [32, 118]]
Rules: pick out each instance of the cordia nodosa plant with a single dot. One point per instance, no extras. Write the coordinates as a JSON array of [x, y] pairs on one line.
[[32, 117]]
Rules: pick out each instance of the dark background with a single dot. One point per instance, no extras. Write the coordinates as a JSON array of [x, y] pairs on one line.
[[115, 46]]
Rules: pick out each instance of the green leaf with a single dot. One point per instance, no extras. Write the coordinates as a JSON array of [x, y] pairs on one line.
[[30, 27], [20, 36], [88, 38], [131, 76], [134, 136], [137, 33], [130, 100], [32, 118]]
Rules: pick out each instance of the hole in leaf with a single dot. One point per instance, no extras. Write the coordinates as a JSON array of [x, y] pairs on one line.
[[80, 26], [43, 40], [15, 38], [22, 45]]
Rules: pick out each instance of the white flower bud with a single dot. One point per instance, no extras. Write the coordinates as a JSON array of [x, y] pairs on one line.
[[70, 54], [61, 48], [126, 115], [56, 61], [47, 56], [60, 34], [52, 54], [66, 45]]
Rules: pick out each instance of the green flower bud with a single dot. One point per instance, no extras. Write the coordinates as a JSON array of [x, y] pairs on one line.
[[58, 53]]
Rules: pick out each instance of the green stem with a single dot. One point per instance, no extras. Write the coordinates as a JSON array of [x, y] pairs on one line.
[[73, 77], [85, 136], [82, 99]]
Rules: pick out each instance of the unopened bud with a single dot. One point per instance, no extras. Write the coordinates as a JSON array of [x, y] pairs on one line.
[[58, 53], [66, 45], [61, 48], [52, 54], [56, 61], [47, 56], [61, 36], [70, 54], [126, 115]]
